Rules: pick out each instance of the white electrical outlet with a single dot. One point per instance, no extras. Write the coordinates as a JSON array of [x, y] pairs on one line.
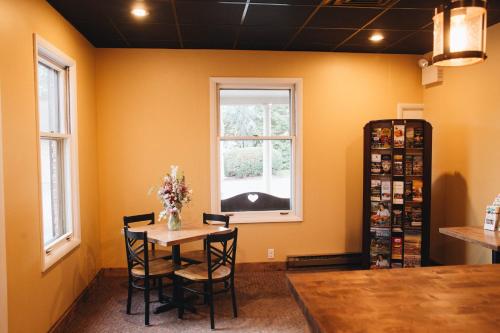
[[270, 253]]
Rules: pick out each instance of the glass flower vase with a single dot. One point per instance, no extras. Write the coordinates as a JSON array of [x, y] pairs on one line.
[[174, 221]]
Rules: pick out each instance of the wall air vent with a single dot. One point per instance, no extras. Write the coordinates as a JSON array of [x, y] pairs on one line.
[[361, 3], [342, 261]]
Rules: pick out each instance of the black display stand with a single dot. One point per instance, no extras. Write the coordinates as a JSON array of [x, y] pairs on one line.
[[397, 193]]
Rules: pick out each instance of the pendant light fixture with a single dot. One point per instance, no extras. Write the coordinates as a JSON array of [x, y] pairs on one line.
[[460, 33]]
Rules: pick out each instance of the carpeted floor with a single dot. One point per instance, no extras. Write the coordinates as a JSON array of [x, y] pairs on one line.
[[264, 305]]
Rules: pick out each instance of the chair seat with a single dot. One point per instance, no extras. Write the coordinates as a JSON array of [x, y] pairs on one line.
[[158, 254], [200, 273], [156, 267]]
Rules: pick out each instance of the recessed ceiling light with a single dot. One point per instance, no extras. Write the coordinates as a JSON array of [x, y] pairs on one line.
[[139, 12], [376, 37]]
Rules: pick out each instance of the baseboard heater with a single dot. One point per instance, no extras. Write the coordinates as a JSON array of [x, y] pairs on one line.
[[340, 261]]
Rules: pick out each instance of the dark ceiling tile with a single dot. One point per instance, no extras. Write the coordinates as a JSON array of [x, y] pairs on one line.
[[265, 34], [155, 44], [289, 2], [214, 33], [97, 30], [149, 32], [256, 38], [493, 17], [75, 9], [323, 36], [403, 19], [341, 17], [310, 46], [493, 4], [418, 43], [256, 45], [160, 11], [117, 10], [288, 16], [198, 1], [359, 49], [429, 4], [209, 12], [115, 44], [210, 44], [269, 24], [363, 38]]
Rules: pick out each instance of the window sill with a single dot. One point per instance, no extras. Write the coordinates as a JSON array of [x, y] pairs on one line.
[[264, 219], [59, 251]]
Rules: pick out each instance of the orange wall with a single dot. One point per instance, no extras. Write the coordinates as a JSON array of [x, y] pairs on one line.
[[465, 113], [153, 111], [35, 299]]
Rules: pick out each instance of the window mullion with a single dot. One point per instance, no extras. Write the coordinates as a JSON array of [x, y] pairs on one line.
[[49, 135]]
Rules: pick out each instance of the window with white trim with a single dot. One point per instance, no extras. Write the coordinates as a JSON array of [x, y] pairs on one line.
[[256, 171], [57, 152]]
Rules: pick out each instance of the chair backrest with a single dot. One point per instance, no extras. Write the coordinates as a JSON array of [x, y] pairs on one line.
[[224, 255], [136, 245], [217, 218], [139, 218]]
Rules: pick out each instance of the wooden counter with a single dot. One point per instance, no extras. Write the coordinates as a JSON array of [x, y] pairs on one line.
[[429, 299], [477, 235]]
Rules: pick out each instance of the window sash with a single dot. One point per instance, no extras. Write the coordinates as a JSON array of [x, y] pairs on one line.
[[292, 137], [63, 94], [262, 212], [291, 103], [54, 180]]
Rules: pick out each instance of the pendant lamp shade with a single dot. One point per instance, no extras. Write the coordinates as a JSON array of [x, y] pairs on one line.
[[460, 33]]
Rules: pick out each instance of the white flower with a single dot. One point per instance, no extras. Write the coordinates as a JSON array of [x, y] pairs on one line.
[[173, 171]]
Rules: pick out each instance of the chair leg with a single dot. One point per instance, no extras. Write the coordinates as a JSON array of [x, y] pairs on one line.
[[160, 289], [233, 297], [180, 298], [146, 302], [211, 303], [129, 295], [205, 291]]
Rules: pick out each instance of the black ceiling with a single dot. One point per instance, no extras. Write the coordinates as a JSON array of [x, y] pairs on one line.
[[295, 25]]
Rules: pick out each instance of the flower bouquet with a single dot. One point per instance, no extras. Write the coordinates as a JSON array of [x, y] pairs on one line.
[[174, 194]]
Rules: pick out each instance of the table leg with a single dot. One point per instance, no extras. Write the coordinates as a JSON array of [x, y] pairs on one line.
[[176, 258], [495, 257], [177, 295]]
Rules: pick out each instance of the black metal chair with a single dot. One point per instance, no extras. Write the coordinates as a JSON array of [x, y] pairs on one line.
[[154, 254], [140, 268], [219, 268], [199, 256]]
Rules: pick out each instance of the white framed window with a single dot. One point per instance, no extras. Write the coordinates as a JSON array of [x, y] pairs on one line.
[[58, 155], [256, 149]]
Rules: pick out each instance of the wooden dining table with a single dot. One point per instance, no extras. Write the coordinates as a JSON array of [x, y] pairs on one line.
[[159, 234]]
